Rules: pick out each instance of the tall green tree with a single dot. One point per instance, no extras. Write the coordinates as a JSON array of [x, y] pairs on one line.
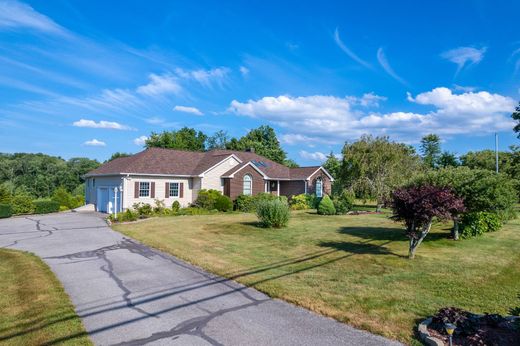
[[263, 140], [219, 140], [117, 155], [448, 159], [373, 167], [516, 118], [431, 150], [183, 139], [333, 166]]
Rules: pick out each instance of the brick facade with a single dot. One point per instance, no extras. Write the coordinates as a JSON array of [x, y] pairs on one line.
[[292, 188], [327, 184], [234, 187]]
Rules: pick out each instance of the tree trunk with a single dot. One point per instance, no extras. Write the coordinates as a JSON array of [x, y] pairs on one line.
[[414, 243], [455, 230]]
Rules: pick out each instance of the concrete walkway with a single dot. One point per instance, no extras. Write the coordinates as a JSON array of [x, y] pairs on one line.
[[129, 294]]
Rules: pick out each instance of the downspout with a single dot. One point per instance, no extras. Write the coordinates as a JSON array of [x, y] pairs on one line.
[[278, 188]]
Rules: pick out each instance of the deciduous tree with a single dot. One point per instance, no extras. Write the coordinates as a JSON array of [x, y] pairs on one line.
[[418, 206]]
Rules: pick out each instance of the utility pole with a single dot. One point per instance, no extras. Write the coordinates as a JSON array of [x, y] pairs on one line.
[[496, 151]]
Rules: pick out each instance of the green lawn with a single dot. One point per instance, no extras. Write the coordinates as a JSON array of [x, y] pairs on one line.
[[34, 308], [352, 268]]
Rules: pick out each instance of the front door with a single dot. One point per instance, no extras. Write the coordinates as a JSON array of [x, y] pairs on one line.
[[102, 200]]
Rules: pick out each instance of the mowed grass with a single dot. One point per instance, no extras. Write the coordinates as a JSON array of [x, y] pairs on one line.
[[352, 268], [34, 308]]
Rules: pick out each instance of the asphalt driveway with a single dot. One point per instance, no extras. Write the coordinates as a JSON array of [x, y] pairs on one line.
[[129, 294]]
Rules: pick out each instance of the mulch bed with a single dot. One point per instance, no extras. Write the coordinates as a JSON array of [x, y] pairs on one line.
[[476, 330]]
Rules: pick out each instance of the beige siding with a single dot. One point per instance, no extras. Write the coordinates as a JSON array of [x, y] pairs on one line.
[[212, 179], [160, 185], [196, 188]]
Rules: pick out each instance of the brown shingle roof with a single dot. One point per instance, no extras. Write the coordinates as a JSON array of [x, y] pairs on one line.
[[192, 163]]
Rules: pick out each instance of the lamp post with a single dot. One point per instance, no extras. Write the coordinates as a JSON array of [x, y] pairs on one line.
[[450, 328]]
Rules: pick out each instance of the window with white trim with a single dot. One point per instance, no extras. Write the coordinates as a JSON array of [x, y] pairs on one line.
[[248, 185], [144, 189], [319, 188], [174, 189]]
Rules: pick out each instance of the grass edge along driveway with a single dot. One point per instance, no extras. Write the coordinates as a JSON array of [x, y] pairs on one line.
[[35, 308], [352, 268]]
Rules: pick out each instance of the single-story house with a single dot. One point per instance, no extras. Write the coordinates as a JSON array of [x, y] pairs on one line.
[[177, 175]]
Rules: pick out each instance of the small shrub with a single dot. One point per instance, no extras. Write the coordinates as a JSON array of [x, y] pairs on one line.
[[5, 194], [206, 199], [223, 203], [300, 202], [5, 211], [284, 199], [63, 208], [344, 202], [143, 209], [478, 223], [22, 204], [128, 215], [273, 213], [159, 207], [326, 207], [64, 198], [176, 206], [245, 203], [45, 206]]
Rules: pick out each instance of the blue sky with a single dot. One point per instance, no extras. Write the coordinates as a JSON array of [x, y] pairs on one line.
[[89, 78]]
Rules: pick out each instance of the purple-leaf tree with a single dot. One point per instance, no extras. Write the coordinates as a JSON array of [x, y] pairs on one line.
[[418, 206]]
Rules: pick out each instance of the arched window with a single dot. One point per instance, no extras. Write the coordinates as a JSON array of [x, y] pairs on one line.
[[319, 188], [248, 185]]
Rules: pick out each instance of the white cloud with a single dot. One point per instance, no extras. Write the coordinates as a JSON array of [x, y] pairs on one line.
[[244, 70], [14, 15], [191, 110], [207, 78], [383, 61], [100, 125], [160, 84], [315, 156], [140, 140], [95, 143], [462, 55], [330, 119], [367, 100], [347, 51]]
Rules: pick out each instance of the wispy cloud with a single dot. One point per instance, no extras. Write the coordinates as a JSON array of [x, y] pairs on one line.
[[244, 71], [141, 140], [185, 109], [461, 56], [16, 15], [207, 78], [160, 84], [95, 143], [347, 51], [383, 61], [100, 125]]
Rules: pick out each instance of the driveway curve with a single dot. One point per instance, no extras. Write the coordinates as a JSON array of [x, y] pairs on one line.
[[129, 294]]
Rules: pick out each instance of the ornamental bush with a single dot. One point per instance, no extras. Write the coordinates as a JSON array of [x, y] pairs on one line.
[[176, 206], [223, 203], [300, 202], [478, 223], [245, 203], [273, 213], [326, 207], [143, 209], [206, 199], [45, 206], [344, 202], [65, 198], [5, 211]]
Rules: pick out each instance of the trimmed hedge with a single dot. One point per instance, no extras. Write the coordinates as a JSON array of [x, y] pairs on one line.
[[5, 211], [45, 206]]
